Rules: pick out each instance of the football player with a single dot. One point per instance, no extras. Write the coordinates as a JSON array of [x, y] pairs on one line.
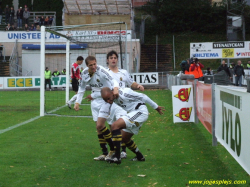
[[134, 103], [124, 79], [97, 77]]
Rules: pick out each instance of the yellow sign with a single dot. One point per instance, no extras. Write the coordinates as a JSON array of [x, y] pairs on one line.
[[227, 53], [20, 82]]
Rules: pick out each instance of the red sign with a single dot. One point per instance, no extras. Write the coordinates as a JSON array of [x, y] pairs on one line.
[[184, 114], [204, 104], [183, 94]]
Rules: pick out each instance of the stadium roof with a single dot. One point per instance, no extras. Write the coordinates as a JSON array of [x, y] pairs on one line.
[[96, 7]]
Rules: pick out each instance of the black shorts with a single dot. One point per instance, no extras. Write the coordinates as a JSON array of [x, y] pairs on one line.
[[75, 85]]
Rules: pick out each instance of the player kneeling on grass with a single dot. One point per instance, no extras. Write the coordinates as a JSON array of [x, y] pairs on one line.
[[134, 103]]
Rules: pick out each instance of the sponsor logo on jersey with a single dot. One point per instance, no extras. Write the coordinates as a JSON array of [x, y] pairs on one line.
[[96, 85], [120, 78]]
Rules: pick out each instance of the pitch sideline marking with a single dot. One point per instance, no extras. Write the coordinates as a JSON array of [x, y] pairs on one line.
[[30, 120], [20, 124]]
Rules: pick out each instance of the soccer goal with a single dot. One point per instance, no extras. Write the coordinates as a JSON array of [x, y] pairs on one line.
[[60, 47]]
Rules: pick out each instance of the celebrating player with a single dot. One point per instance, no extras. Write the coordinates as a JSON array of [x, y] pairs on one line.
[[124, 80], [97, 77], [75, 76], [134, 104]]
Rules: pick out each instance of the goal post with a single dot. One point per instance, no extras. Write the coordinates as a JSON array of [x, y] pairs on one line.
[[59, 48]]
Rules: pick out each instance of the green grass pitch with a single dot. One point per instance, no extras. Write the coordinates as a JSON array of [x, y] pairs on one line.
[[58, 151]]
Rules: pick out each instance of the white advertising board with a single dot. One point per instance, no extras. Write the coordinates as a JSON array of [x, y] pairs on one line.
[[1, 83], [146, 78], [232, 123], [89, 36], [217, 50], [183, 103], [60, 81]]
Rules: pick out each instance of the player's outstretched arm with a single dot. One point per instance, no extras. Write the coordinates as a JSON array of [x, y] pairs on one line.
[[137, 86], [160, 109]]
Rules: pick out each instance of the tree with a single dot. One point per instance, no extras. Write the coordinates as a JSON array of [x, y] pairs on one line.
[[187, 15]]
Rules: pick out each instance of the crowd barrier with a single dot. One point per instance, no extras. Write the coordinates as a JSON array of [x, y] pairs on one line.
[[223, 113]]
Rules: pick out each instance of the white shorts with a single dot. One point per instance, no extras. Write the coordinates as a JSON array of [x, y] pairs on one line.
[[99, 108], [134, 120], [116, 112]]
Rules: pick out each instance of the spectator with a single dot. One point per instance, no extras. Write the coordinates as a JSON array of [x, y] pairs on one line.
[[232, 65], [238, 72], [32, 27], [37, 21], [196, 69], [8, 27], [63, 72], [26, 27], [47, 75], [1, 15], [19, 15], [12, 14], [209, 71], [224, 67], [50, 20], [46, 20], [13, 28], [56, 73], [38, 28], [26, 15], [7, 14], [25, 6], [42, 21], [248, 64]]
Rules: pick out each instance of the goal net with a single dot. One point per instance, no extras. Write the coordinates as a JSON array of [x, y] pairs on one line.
[[60, 47]]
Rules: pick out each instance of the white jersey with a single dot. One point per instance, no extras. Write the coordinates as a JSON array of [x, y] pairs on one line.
[[130, 100], [100, 79], [122, 77]]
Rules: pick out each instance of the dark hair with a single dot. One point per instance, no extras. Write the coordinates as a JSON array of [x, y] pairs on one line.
[[208, 68], [46, 68], [80, 58], [89, 58], [196, 60], [112, 53]]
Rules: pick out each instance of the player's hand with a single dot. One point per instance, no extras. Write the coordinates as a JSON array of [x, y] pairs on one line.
[[116, 92], [89, 98], [160, 109], [76, 107], [140, 87]]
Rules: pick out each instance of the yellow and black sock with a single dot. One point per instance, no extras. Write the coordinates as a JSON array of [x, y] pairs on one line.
[[108, 137], [117, 138], [133, 147], [103, 144], [123, 145]]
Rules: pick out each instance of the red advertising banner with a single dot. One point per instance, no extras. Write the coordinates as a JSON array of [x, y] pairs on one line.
[[204, 104]]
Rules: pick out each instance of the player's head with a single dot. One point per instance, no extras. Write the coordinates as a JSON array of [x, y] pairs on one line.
[[107, 95], [112, 58], [79, 60], [91, 63]]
